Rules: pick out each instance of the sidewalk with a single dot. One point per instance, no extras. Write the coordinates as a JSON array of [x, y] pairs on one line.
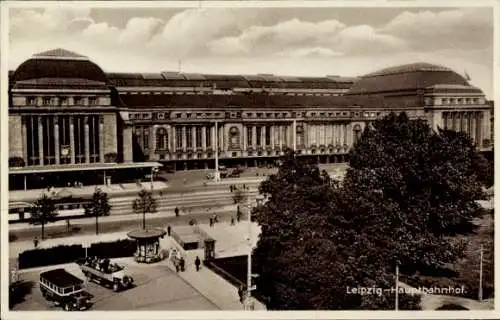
[[116, 218], [209, 284], [114, 190]]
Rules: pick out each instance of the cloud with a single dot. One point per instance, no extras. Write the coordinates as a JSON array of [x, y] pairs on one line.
[[469, 28], [249, 39]]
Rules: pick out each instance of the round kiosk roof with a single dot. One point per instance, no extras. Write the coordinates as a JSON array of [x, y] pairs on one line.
[[146, 234]]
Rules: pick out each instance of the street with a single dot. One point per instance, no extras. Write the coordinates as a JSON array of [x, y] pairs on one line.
[[157, 287]]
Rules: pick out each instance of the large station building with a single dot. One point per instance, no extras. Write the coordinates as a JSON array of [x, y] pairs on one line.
[[67, 116]]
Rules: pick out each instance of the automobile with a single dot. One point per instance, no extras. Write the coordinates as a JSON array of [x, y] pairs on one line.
[[106, 273], [64, 289], [210, 175]]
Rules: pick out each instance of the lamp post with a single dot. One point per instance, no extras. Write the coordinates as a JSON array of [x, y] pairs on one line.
[[217, 173], [153, 171], [248, 303]]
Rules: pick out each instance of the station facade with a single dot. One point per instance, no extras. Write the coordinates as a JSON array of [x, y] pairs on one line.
[[65, 111]]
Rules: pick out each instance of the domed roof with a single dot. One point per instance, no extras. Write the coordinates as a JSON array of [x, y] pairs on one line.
[[407, 77], [59, 63]]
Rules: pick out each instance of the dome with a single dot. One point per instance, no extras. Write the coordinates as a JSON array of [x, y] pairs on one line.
[[59, 64], [411, 77]]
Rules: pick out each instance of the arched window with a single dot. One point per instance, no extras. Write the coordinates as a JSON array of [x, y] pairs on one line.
[[300, 136], [234, 138], [357, 133], [161, 139]]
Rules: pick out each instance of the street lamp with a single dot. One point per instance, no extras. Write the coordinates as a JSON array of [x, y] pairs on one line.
[[153, 171], [249, 304]]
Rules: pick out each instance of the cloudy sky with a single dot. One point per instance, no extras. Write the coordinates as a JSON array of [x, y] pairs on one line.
[[285, 41]]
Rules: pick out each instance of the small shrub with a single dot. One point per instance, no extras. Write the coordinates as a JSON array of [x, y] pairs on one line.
[[50, 256], [67, 254], [117, 249]]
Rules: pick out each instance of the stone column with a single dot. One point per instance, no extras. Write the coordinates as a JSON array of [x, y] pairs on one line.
[[193, 135], [57, 147], [349, 135], [254, 137], [245, 133], [86, 130], [72, 138], [281, 136], [479, 130], [152, 141], [272, 137], [173, 136], [346, 142], [464, 122], [341, 134], [40, 140], [473, 127], [213, 136], [101, 139], [204, 138], [263, 136], [184, 138], [24, 133]]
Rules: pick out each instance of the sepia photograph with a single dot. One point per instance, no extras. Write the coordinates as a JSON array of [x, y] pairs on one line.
[[222, 157]]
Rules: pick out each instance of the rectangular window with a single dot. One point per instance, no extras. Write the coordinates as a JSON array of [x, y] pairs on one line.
[[77, 101], [249, 136], [189, 137], [198, 137], [268, 135], [258, 135], [145, 141], [92, 101], [63, 101], [209, 137], [31, 101], [178, 137], [47, 100]]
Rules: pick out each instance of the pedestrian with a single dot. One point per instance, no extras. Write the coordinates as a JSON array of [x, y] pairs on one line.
[[231, 187], [197, 263], [211, 222], [169, 229], [232, 221], [176, 211], [182, 262], [35, 242], [176, 263], [244, 187], [215, 218], [240, 293]]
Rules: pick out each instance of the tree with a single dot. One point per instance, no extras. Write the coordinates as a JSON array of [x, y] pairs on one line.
[[43, 211], [145, 203], [239, 196], [407, 190], [409, 187], [99, 206]]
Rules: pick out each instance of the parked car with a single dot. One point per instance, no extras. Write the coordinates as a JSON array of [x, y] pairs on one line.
[[106, 273], [64, 289]]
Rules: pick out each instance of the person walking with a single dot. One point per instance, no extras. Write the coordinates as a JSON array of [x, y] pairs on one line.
[[176, 210], [240, 293], [35, 242], [197, 263], [232, 221], [169, 229], [211, 222], [182, 262]]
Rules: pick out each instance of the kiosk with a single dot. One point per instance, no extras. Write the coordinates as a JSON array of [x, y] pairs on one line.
[[148, 244]]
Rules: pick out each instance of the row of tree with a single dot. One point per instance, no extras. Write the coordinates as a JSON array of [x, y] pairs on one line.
[[406, 191], [44, 210]]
